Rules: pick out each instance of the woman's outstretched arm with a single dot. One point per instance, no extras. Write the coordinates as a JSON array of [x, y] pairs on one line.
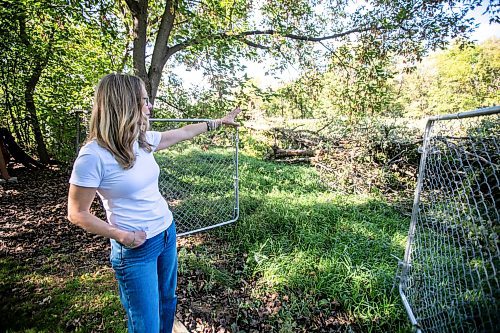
[[171, 137]]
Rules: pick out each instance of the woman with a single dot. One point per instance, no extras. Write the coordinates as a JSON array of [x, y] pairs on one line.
[[117, 162]]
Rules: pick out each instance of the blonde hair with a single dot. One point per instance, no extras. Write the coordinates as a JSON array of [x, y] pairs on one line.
[[117, 120]]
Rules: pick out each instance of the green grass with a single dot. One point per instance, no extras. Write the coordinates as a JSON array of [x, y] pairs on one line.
[[40, 300], [301, 238], [198, 185]]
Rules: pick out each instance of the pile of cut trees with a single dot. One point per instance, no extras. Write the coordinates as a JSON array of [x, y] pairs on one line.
[[302, 146]]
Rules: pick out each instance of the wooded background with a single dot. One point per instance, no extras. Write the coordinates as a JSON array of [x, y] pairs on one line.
[[358, 60]]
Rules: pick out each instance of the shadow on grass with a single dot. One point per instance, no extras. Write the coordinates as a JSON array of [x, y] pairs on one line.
[[41, 301]]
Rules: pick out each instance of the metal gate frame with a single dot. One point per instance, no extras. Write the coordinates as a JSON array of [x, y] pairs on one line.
[[236, 209], [406, 264]]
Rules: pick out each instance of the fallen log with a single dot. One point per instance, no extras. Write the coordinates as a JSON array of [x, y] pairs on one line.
[[10, 145], [295, 160], [323, 166], [280, 153]]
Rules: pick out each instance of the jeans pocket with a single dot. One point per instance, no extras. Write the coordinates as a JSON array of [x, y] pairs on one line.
[[116, 255], [136, 254]]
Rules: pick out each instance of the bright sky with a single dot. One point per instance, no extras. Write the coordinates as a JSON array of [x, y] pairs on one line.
[[485, 29], [257, 70]]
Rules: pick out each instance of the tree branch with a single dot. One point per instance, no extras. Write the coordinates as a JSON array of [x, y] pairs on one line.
[[239, 36], [167, 22], [160, 51], [174, 106], [133, 5], [303, 38], [176, 48], [252, 44]]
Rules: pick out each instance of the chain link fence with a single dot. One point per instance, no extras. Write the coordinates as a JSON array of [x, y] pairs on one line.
[[449, 278], [198, 178]]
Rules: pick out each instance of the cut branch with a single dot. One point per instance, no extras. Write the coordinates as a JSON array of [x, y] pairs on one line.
[[295, 160]]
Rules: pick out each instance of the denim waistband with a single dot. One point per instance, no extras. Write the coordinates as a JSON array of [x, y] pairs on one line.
[[149, 250]]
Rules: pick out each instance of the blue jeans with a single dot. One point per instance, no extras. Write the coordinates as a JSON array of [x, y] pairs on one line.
[[147, 278]]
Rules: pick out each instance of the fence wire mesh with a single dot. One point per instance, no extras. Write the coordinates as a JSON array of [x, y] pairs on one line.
[[449, 280], [199, 177]]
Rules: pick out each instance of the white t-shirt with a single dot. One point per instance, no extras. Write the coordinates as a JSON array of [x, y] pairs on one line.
[[130, 197]]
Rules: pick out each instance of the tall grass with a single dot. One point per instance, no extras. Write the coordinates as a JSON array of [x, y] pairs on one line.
[[301, 238]]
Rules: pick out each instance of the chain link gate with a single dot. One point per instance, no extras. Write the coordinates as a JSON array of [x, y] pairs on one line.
[[449, 280], [199, 177]]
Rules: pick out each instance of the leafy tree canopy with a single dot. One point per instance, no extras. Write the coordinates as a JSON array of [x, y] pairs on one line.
[[51, 54], [463, 77], [215, 35]]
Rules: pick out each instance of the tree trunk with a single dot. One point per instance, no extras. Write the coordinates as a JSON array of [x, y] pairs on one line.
[[30, 85], [11, 148], [161, 50], [35, 124], [139, 9], [8, 105]]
